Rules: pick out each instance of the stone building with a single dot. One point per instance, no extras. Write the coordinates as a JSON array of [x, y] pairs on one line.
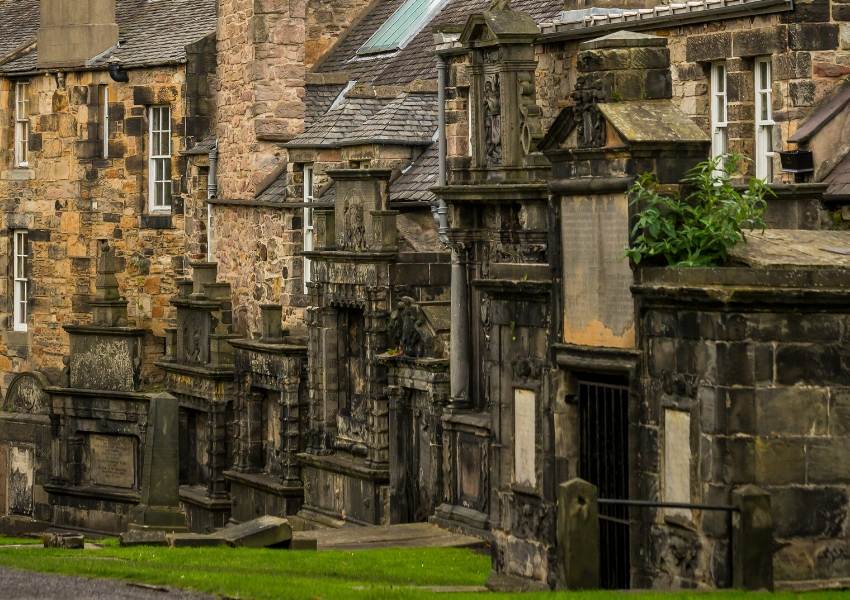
[[409, 298], [571, 372], [98, 100]]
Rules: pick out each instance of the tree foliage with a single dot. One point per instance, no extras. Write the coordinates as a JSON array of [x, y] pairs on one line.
[[698, 226]]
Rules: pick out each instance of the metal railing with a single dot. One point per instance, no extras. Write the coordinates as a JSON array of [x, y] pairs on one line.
[[727, 508]]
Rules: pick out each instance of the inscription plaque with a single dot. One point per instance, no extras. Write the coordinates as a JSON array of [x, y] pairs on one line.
[[677, 459], [524, 438], [21, 476], [112, 460]]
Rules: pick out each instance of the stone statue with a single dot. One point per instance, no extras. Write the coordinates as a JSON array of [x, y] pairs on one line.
[[492, 120]]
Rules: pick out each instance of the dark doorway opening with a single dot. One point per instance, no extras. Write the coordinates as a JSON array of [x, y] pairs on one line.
[[604, 462]]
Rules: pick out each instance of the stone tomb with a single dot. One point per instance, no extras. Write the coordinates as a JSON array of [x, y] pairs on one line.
[[110, 467], [360, 281], [271, 414], [200, 373], [25, 452]]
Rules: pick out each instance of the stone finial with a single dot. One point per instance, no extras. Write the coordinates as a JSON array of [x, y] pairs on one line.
[[272, 329], [500, 5], [110, 309], [203, 274]]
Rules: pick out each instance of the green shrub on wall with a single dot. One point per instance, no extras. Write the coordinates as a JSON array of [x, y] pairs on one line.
[[698, 226]]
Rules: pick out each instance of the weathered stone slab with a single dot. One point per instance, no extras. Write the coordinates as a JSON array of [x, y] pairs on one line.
[[265, 532]]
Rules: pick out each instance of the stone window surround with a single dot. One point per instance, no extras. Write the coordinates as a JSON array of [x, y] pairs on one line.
[[20, 280], [719, 109], [22, 123], [103, 102], [308, 244], [764, 123], [156, 157]]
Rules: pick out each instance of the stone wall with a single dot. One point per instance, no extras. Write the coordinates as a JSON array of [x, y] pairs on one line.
[[810, 56], [68, 198], [255, 248], [754, 380], [326, 23], [264, 51]]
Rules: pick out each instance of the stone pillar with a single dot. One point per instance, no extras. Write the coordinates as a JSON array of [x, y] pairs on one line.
[[159, 508], [752, 539], [618, 67], [578, 535], [461, 353]]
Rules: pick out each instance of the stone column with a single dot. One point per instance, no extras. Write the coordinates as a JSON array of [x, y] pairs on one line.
[[461, 354], [160, 504]]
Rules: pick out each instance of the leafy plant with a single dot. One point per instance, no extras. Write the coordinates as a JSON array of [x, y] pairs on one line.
[[698, 226]]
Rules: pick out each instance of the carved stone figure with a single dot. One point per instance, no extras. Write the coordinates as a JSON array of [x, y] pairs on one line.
[[492, 120], [408, 331]]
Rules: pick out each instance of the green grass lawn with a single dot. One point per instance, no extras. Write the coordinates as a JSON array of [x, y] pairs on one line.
[[267, 574], [5, 541]]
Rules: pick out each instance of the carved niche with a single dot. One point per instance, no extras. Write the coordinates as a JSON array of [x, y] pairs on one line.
[[26, 395], [408, 330], [492, 118], [352, 233]]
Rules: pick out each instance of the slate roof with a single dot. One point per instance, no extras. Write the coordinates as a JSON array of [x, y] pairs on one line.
[[592, 20], [276, 192], [318, 100], [414, 184], [18, 24], [151, 32], [338, 124], [838, 181], [408, 119], [416, 60]]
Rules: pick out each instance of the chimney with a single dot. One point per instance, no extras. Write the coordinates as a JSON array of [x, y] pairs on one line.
[[74, 31]]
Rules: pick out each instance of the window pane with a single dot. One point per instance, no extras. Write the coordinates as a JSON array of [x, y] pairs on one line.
[[166, 193], [400, 27]]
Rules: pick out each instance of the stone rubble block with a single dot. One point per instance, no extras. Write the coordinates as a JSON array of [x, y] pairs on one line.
[[66, 541], [264, 532]]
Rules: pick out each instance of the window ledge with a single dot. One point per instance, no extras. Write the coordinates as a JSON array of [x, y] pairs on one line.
[[155, 221], [18, 174]]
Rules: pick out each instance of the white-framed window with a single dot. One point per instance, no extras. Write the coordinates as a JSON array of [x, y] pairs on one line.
[[719, 110], [159, 164], [20, 281], [22, 123], [103, 101], [764, 119], [308, 224]]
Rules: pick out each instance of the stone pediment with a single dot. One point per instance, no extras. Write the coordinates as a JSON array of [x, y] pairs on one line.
[[624, 123], [499, 25], [646, 121]]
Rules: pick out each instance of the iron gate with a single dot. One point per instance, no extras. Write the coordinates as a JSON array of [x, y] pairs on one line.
[[604, 462]]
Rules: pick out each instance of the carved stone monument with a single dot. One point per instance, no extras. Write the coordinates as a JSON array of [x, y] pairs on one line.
[[367, 309], [114, 464], [271, 414], [200, 374]]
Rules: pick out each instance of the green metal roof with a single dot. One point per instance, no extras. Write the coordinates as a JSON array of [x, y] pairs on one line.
[[401, 27]]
